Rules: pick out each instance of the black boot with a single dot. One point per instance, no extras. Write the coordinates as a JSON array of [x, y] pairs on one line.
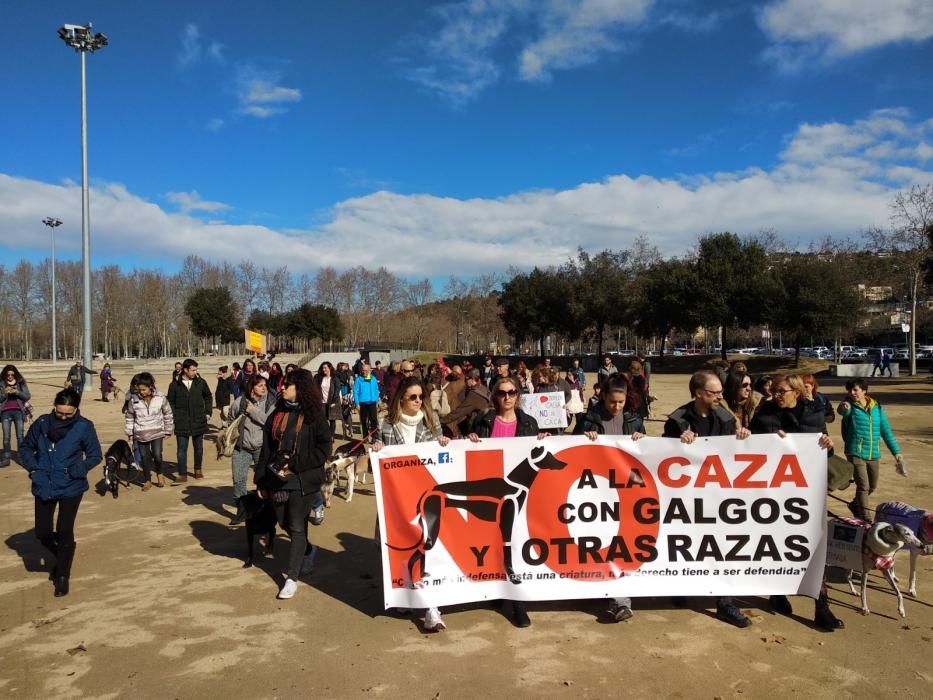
[[240, 512], [5, 459], [61, 586], [781, 605], [824, 618], [520, 614]]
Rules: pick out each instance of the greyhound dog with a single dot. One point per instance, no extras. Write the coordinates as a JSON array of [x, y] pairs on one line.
[[880, 544], [493, 500], [118, 453], [920, 522], [345, 459]]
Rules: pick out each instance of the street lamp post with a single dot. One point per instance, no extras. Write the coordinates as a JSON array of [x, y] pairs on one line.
[[53, 224], [83, 40]]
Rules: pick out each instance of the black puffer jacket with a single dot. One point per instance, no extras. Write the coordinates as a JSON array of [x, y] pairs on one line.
[[685, 418], [805, 417], [527, 425]]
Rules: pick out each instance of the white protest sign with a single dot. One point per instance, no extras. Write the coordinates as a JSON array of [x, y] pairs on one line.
[[546, 408]]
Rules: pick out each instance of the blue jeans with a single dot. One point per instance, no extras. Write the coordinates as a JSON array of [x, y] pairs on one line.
[[198, 442], [16, 418], [241, 463]]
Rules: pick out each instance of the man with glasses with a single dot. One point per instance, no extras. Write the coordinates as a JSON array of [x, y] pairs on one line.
[[705, 416]]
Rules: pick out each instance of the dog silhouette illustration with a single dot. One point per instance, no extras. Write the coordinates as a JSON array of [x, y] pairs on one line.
[[493, 500]]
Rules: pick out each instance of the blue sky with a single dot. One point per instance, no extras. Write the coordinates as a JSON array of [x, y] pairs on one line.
[[462, 137]]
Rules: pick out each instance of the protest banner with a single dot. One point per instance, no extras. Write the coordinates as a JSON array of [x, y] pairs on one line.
[[564, 518], [255, 341], [546, 408]]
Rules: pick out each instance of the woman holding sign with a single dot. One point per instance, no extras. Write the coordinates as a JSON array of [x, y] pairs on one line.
[[506, 420], [609, 417], [790, 412], [409, 421]]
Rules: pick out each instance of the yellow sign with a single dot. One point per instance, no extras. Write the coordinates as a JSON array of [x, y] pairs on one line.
[[255, 341]]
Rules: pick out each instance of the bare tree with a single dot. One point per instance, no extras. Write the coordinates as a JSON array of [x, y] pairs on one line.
[[911, 218]]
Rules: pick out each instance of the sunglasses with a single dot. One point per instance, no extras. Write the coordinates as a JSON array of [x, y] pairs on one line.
[[781, 392], [64, 416], [407, 371], [414, 397], [747, 385], [502, 393]]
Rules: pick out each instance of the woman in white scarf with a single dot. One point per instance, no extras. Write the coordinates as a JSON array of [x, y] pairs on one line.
[[410, 420]]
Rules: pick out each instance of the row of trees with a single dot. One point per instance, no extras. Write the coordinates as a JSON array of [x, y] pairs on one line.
[[726, 281]]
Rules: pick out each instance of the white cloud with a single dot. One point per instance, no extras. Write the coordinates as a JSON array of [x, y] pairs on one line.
[[215, 124], [192, 49], [191, 201], [260, 94], [831, 179], [462, 58], [805, 31]]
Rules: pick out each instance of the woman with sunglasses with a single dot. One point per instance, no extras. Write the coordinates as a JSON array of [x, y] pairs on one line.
[[790, 412], [407, 422], [296, 444], [506, 419], [60, 449], [13, 400], [739, 397]]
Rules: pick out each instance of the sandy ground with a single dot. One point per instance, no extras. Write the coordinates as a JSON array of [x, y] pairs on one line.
[[160, 607]]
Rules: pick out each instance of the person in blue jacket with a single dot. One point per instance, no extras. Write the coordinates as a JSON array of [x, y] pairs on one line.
[[60, 448]]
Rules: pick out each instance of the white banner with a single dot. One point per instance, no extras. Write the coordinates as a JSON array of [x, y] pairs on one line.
[[565, 518], [546, 408]]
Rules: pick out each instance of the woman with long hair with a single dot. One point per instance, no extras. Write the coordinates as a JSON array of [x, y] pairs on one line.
[[255, 406], [276, 377], [506, 419], [242, 379], [739, 397], [13, 398], [329, 385], [408, 421], [148, 420], [790, 412], [290, 471], [60, 449]]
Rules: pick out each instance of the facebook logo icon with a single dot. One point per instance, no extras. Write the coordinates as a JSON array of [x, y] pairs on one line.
[[443, 458]]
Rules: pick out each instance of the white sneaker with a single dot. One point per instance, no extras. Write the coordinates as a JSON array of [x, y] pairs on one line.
[[288, 590], [433, 621], [307, 564]]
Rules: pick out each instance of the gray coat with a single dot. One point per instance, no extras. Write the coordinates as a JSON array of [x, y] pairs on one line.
[[251, 434]]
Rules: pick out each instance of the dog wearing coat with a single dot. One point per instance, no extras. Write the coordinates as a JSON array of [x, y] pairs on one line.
[[880, 543], [920, 522]]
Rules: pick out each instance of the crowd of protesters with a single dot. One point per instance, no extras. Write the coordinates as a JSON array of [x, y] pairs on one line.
[[287, 424]]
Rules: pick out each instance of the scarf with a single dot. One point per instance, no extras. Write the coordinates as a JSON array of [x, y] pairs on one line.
[[59, 428]]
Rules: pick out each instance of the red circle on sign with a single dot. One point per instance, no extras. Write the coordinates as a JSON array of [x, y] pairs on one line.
[[550, 491]]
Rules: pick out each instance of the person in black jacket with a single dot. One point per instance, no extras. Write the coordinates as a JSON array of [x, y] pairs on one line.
[[505, 419], [609, 417], [706, 417], [790, 412], [191, 402], [296, 444], [223, 392], [329, 384]]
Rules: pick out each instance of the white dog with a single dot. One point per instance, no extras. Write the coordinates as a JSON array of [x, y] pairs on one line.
[[347, 464]]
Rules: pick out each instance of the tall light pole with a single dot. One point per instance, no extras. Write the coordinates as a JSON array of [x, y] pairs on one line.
[[53, 224], [83, 40]]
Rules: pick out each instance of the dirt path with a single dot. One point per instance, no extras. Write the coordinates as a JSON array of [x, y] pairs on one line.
[[160, 607]]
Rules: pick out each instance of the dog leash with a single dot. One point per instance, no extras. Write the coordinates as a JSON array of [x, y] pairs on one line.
[[361, 441], [842, 500]]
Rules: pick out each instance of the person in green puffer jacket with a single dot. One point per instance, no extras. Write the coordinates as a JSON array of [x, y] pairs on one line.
[[864, 426]]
